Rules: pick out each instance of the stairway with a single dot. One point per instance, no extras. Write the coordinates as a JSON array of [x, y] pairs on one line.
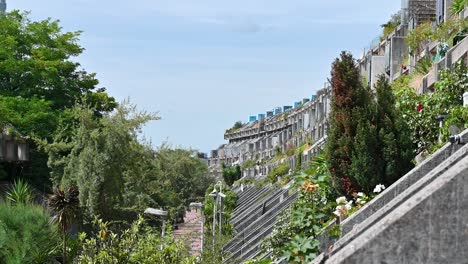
[[421, 218], [190, 231], [254, 219]]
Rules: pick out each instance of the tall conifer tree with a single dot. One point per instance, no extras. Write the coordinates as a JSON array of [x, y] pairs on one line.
[[348, 100], [368, 141]]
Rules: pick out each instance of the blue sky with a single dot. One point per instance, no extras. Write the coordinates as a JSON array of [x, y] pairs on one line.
[[204, 64]]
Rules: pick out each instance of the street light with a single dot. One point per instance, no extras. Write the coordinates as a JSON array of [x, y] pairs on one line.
[[221, 196], [214, 194], [200, 205], [217, 196], [162, 214]]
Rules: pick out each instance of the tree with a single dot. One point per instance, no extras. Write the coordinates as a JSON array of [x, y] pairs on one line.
[[30, 116], [117, 175], [394, 135], [36, 61], [96, 158], [231, 174], [369, 142], [347, 111], [40, 81], [65, 206]]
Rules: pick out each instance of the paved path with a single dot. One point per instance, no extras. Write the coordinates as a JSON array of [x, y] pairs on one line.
[[189, 232]]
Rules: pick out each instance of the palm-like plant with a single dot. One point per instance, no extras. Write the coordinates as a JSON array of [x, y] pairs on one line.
[[65, 204], [20, 192]]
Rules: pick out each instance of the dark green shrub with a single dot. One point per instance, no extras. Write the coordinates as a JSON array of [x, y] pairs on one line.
[[27, 235]]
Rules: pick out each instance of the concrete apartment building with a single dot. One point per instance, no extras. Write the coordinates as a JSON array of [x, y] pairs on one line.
[[307, 121]]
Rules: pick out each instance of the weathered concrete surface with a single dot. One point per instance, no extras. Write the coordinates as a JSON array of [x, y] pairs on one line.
[[429, 227], [402, 184], [403, 196]]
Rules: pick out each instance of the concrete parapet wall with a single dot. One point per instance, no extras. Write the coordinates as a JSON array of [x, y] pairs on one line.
[[429, 227]]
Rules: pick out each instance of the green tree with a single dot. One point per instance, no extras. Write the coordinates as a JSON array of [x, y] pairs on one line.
[[394, 135], [96, 158], [349, 107], [36, 60], [127, 175], [369, 141], [231, 174]]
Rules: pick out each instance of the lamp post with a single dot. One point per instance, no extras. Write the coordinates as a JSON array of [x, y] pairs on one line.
[[162, 214], [200, 205], [218, 197], [214, 194]]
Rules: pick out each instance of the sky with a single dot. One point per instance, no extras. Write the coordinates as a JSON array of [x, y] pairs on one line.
[[202, 65]]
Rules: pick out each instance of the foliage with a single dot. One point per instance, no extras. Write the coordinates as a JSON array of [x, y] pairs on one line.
[[290, 151], [126, 175], [248, 164], [458, 6], [216, 256], [421, 112], [456, 121], [65, 205], [137, 244], [26, 234], [368, 141], [394, 136], [349, 112], [231, 174], [20, 193], [36, 61], [236, 127], [446, 30], [40, 79], [442, 33], [99, 153], [177, 178], [423, 66], [279, 171], [391, 25], [30, 116], [416, 37], [256, 261], [229, 203], [294, 236]]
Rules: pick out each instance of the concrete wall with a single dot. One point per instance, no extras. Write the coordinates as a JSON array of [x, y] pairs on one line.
[[429, 227]]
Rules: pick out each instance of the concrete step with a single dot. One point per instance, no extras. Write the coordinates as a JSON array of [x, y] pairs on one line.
[[401, 198], [428, 227], [250, 239], [257, 209], [395, 189], [252, 197]]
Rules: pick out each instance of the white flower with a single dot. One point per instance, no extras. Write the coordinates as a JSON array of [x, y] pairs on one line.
[[348, 206], [360, 194], [360, 201], [379, 188], [337, 213], [341, 200]]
